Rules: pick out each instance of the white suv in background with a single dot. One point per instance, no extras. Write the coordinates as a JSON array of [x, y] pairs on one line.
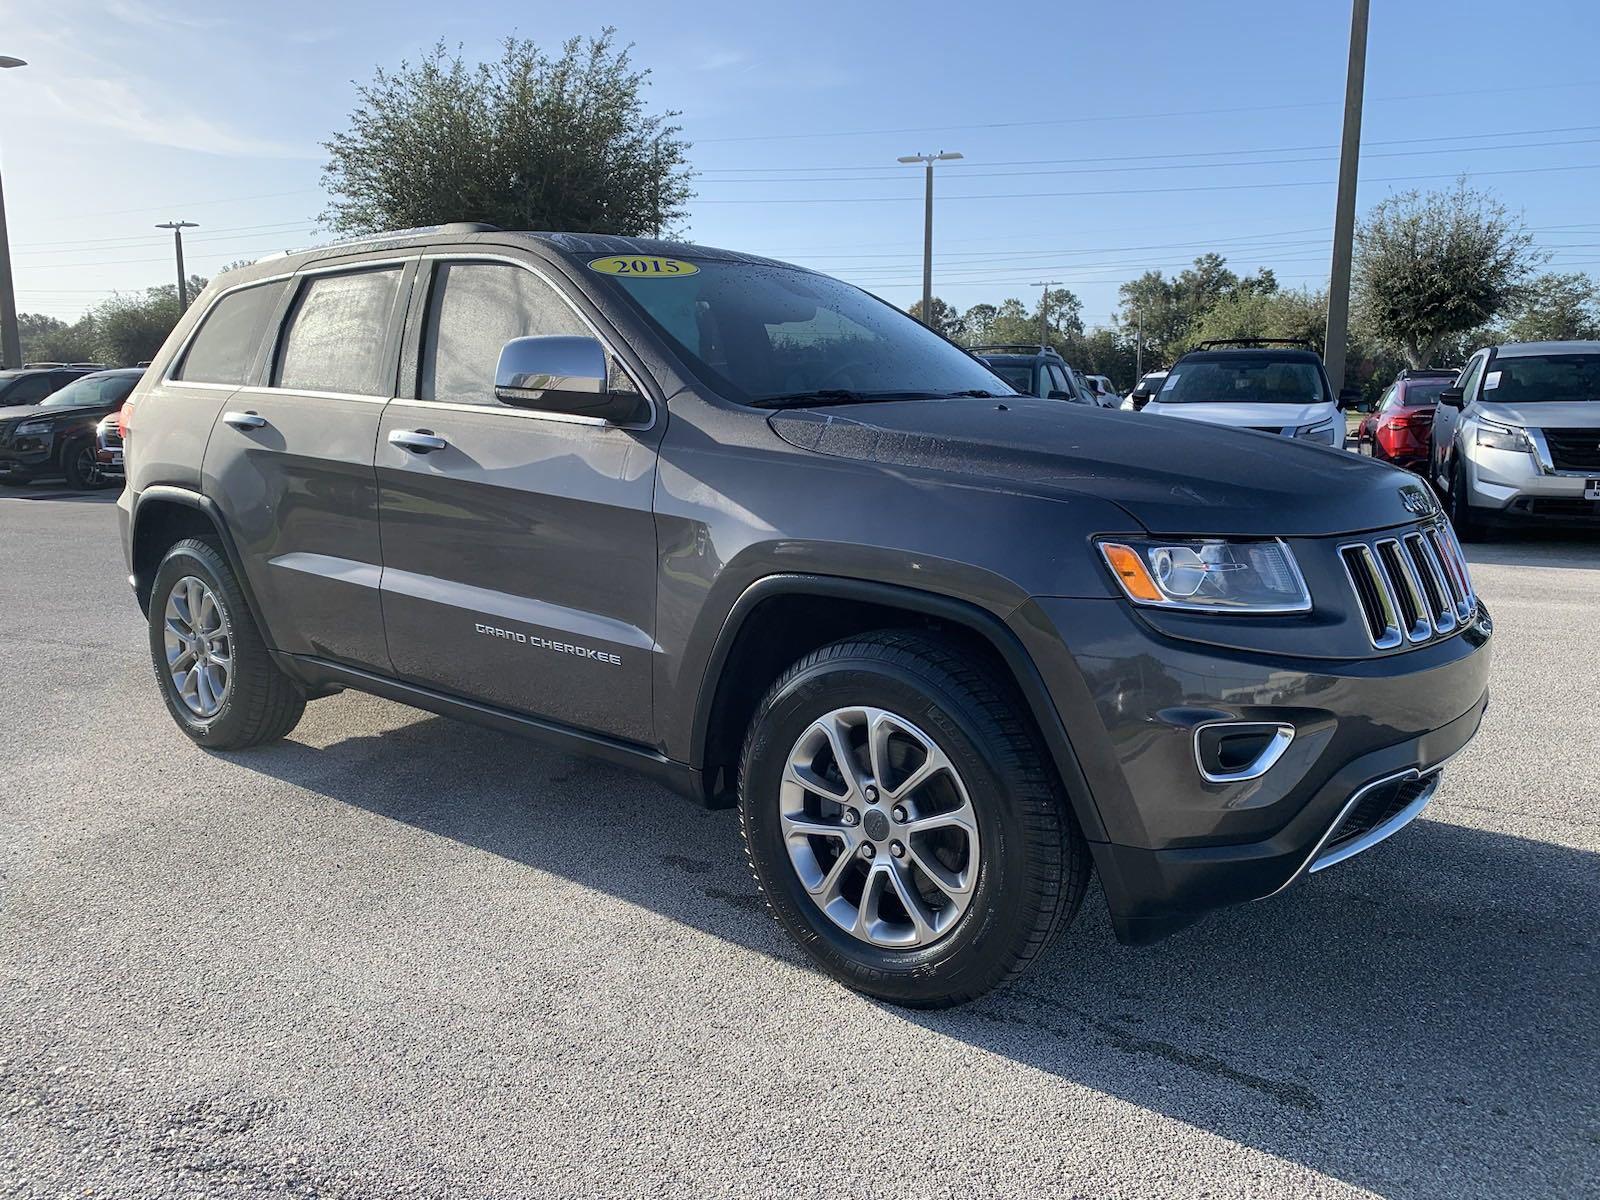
[[1263, 384], [1517, 438]]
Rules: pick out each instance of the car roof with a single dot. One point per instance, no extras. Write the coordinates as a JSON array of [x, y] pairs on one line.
[[113, 371], [1525, 349]]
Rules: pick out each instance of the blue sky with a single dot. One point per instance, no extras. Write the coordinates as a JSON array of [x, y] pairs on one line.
[[1100, 139]]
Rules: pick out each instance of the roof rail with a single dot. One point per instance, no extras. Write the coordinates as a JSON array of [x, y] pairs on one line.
[[1428, 372], [41, 366], [89, 365], [1014, 347], [392, 235], [1211, 343]]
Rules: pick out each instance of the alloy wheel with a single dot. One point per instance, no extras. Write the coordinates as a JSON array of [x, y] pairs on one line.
[[199, 647], [879, 828]]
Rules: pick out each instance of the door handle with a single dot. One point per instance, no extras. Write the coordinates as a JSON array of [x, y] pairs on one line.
[[418, 441], [244, 420]]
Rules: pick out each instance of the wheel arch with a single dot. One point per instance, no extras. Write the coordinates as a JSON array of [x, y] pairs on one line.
[[745, 659], [164, 515]]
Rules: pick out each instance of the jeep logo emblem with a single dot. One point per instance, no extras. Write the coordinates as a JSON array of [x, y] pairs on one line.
[[1417, 502]]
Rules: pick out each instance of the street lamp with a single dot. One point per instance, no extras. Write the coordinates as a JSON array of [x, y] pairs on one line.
[[10, 339], [177, 228], [927, 227]]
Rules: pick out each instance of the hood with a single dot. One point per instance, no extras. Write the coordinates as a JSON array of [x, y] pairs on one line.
[[12, 411], [1172, 477], [1243, 415], [40, 412], [1550, 414]]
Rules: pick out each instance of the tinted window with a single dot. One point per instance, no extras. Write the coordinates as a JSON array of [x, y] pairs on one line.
[[225, 347], [334, 338], [1018, 375], [97, 391], [474, 310], [764, 332], [1058, 380], [1426, 392], [29, 389]]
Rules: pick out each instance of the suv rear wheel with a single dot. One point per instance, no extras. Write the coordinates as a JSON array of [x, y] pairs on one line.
[[219, 682], [903, 824]]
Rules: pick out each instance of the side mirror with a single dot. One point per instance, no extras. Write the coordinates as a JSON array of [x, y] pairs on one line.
[[1141, 393], [1452, 397], [562, 375], [1057, 394]]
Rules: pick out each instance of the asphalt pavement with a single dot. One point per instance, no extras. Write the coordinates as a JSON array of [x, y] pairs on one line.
[[396, 956]]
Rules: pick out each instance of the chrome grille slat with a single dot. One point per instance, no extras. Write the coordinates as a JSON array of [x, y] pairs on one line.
[[1410, 588]]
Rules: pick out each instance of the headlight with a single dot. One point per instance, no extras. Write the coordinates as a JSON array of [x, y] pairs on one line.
[[1209, 574], [1320, 432], [33, 428], [1502, 437]]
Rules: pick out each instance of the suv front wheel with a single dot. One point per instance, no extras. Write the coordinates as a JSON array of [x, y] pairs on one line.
[[903, 823], [219, 682]]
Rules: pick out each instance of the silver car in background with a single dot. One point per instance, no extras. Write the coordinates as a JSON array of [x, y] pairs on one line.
[[1516, 439]]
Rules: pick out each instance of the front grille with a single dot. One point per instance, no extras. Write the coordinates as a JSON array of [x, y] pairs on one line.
[[1574, 449], [1377, 808], [1556, 507], [1411, 587]]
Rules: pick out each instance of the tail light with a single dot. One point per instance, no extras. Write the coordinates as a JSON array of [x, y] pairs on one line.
[[124, 419]]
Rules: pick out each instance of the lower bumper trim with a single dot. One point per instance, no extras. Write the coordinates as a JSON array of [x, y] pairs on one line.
[[1386, 814]]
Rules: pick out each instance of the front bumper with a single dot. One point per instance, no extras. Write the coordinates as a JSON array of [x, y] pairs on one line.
[[1509, 485], [1172, 843]]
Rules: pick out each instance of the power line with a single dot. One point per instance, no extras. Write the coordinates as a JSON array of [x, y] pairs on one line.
[[1191, 112]]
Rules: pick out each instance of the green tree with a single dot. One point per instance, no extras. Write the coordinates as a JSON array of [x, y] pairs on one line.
[[129, 328], [529, 141], [1247, 313], [50, 339], [1432, 266], [946, 318], [1555, 308]]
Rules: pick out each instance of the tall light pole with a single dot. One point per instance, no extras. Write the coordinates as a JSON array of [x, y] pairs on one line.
[[10, 339], [1044, 306], [177, 228], [927, 227], [1344, 216]]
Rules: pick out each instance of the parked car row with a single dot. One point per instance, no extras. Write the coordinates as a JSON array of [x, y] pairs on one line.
[[1041, 371], [59, 434]]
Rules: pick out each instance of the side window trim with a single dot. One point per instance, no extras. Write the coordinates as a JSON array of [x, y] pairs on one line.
[[416, 330], [393, 324]]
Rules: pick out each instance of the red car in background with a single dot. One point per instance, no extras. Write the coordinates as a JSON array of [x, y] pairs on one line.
[[1397, 431]]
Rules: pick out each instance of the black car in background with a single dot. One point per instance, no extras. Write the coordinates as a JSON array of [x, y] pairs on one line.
[[1036, 371], [56, 436], [32, 383]]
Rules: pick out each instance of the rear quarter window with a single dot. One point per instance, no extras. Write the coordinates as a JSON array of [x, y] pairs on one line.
[[225, 347]]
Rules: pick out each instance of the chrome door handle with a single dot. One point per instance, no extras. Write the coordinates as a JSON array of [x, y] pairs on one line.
[[418, 441], [244, 420]]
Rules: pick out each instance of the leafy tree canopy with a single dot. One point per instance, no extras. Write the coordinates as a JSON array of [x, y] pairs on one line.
[[531, 140]]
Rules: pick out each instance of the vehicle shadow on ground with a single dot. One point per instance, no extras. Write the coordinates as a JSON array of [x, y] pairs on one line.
[[1419, 1021], [59, 493]]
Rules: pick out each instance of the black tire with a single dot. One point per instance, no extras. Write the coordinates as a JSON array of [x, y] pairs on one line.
[[261, 704], [77, 464], [1033, 863], [1468, 525]]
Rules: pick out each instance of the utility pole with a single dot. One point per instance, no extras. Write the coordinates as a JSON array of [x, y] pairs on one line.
[[177, 228], [1138, 351], [1044, 307], [1344, 216], [10, 338], [927, 227]]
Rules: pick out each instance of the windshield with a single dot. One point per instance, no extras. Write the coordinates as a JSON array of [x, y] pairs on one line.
[[1254, 380], [762, 333], [1539, 377], [92, 391]]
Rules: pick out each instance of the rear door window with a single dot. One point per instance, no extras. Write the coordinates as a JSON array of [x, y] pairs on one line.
[[225, 348], [474, 309], [336, 336]]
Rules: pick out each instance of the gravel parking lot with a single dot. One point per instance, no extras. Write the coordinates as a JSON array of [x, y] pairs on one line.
[[397, 956]]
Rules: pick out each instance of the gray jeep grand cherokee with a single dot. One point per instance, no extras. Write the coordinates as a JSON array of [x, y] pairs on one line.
[[759, 534]]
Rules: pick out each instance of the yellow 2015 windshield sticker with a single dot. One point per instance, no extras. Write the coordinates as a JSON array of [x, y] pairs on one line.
[[643, 266]]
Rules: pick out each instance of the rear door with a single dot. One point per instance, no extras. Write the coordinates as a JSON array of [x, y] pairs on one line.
[[290, 460], [519, 556]]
